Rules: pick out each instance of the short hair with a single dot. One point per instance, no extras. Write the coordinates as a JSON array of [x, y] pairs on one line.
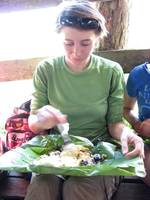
[[82, 9]]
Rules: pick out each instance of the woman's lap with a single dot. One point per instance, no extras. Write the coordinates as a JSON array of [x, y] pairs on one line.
[[51, 187]]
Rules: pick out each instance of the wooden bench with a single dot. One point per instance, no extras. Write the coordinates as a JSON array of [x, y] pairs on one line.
[[132, 188], [23, 69], [15, 186]]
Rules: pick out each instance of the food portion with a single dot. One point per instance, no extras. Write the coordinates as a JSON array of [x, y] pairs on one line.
[[71, 156]]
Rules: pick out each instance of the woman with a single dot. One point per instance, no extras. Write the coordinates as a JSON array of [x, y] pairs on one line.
[[138, 91], [84, 90]]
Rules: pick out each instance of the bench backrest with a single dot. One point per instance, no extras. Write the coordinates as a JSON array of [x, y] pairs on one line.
[[127, 58], [23, 69]]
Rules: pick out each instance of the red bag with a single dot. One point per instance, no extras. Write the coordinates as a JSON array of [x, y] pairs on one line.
[[17, 123], [14, 139], [1, 146], [17, 129]]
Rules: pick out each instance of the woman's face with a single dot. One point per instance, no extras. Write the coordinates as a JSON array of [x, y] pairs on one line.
[[78, 46]]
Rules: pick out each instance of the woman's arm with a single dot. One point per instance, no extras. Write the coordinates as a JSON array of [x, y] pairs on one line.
[[128, 112], [142, 128]]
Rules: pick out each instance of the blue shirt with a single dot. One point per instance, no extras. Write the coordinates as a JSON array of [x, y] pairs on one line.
[[138, 86]]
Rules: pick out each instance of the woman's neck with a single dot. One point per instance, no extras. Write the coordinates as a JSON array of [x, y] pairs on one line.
[[78, 67]]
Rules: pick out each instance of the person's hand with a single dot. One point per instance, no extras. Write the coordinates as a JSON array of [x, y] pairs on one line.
[[50, 116], [145, 128], [137, 126], [46, 117], [128, 137]]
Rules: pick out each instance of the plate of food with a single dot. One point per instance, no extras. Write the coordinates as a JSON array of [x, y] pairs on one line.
[[48, 155]]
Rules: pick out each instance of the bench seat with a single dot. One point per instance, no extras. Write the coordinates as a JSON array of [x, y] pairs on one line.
[[13, 186], [132, 188]]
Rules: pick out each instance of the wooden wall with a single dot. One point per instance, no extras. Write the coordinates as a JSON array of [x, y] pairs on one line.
[[18, 69], [128, 58], [23, 69], [13, 5]]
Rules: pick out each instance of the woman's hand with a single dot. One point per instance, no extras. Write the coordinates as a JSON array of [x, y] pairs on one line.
[[46, 117], [128, 137]]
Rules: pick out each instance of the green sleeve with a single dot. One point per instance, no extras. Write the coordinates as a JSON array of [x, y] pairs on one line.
[[116, 97], [39, 96]]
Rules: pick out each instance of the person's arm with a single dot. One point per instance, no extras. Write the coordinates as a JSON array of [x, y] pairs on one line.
[[129, 115], [127, 137], [45, 118]]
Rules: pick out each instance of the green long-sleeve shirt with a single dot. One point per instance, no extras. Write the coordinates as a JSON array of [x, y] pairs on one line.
[[91, 99]]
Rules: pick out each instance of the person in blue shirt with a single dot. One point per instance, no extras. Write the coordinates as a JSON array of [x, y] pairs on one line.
[[138, 94]]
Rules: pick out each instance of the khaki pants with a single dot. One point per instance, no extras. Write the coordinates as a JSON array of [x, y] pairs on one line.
[[51, 187]]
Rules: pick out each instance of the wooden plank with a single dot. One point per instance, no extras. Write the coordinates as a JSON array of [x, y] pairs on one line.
[[128, 58], [18, 69], [3, 174], [23, 69], [13, 188], [132, 179], [9, 5], [132, 191], [13, 5]]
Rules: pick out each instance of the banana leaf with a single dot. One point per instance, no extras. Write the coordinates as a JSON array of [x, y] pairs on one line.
[[21, 158]]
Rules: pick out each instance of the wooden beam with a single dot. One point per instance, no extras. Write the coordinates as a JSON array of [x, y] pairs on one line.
[[23, 69], [18, 69], [128, 58], [15, 5]]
